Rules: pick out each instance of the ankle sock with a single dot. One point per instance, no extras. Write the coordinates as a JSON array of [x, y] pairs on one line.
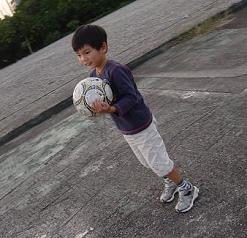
[[185, 185]]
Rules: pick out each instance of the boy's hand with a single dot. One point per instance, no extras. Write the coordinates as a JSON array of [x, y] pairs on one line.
[[103, 107]]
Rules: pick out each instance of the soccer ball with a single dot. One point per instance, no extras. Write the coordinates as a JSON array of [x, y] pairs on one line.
[[88, 91]]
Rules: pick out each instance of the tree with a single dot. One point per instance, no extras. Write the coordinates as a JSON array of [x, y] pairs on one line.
[[37, 23]]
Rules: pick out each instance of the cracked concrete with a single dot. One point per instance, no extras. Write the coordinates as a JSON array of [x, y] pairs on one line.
[[70, 177]]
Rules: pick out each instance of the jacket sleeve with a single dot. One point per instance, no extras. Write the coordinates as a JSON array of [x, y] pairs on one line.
[[125, 89]]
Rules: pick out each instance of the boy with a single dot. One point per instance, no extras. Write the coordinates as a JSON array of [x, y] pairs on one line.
[[131, 115]]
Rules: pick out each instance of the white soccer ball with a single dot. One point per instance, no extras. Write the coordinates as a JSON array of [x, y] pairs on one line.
[[88, 91]]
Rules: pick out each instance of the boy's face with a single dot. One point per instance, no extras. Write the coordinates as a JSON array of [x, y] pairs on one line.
[[91, 57]]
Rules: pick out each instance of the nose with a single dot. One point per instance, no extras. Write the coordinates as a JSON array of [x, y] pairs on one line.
[[82, 59]]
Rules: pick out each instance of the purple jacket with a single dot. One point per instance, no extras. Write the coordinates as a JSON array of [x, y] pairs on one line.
[[133, 115]]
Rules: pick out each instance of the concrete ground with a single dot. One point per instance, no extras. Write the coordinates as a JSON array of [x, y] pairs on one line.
[[70, 177], [41, 81]]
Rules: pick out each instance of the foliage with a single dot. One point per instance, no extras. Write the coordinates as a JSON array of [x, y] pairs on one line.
[[37, 23]]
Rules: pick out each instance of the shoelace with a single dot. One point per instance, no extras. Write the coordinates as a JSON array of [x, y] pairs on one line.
[[168, 183]]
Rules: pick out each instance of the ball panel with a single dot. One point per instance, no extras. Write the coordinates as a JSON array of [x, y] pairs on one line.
[[89, 90]]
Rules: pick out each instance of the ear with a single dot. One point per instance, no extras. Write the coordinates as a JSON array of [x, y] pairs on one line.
[[104, 47]]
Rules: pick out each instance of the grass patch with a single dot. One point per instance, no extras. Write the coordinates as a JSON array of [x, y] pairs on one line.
[[210, 24], [203, 28]]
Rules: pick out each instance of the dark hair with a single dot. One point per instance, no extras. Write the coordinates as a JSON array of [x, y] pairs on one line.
[[92, 35]]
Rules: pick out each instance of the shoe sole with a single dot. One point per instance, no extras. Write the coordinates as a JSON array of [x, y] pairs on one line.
[[195, 196], [172, 197]]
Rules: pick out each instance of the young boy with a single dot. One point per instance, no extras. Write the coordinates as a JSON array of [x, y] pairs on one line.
[[131, 115]]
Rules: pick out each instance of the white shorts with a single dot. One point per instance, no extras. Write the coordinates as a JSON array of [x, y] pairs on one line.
[[149, 148]]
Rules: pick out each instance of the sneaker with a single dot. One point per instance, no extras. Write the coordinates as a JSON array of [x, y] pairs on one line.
[[169, 192], [186, 199]]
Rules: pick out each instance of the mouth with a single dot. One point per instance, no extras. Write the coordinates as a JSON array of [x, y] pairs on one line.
[[88, 64]]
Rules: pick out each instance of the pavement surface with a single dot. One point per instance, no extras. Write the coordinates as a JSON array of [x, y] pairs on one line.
[[75, 178], [41, 81]]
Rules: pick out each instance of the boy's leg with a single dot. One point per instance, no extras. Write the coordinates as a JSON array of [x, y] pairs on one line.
[[187, 192], [153, 150], [174, 183], [136, 151], [171, 180], [187, 195], [150, 150], [175, 176]]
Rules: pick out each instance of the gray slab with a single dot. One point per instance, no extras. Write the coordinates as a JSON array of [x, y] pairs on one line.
[[72, 177], [42, 80], [195, 84], [218, 54]]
